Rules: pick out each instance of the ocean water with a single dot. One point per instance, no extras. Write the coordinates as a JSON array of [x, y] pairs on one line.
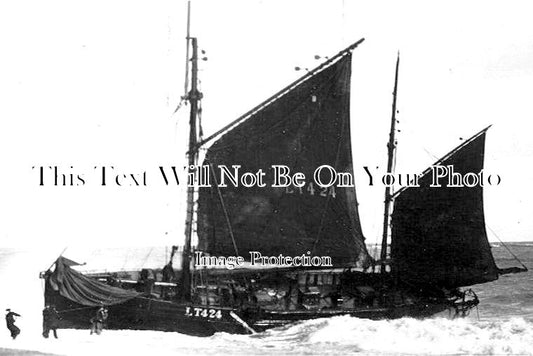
[[502, 324]]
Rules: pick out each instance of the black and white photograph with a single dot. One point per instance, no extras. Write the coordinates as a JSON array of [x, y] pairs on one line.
[[266, 177]]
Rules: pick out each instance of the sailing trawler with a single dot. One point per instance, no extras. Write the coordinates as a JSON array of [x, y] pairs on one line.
[[438, 243]]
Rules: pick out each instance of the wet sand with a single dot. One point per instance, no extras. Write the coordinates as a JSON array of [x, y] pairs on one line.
[[13, 352]]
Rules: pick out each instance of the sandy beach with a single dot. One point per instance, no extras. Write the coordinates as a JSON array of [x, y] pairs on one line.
[[11, 352]]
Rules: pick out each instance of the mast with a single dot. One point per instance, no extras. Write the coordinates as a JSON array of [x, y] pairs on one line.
[[391, 146], [193, 97], [185, 91]]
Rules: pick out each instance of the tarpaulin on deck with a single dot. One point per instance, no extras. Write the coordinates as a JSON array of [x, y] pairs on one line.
[[83, 290]]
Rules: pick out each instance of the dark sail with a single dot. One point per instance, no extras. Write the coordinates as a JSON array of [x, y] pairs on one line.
[[438, 233], [307, 127]]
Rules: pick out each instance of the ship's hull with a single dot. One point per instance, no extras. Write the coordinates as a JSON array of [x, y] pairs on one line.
[[142, 313]]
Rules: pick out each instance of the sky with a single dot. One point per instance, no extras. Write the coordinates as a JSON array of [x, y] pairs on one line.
[[92, 84]]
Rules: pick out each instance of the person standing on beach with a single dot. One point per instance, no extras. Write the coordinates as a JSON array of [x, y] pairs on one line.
[[98, 321], [10, 321], [50, 320]]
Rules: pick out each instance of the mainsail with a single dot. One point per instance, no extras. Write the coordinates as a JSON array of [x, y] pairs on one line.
[[305, 128], [438, 233]]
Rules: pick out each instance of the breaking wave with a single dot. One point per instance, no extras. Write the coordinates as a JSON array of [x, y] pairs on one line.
[[333, 336], [344, 335]]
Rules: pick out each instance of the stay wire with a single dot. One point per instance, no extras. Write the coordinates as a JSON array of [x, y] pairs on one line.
[[507, 248]]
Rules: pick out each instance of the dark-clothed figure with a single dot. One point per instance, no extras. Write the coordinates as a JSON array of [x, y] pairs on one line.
[[97, 323], [10, 321], [50, 320], [168, 273]]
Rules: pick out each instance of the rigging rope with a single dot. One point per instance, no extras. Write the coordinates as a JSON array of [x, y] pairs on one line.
[[226, 216], [146, 259], [507, 248], [430, 154], [125, 260], [180, 104]]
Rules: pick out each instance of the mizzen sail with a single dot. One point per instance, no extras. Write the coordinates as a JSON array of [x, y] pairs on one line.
[[438, 233], [305, 128]]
